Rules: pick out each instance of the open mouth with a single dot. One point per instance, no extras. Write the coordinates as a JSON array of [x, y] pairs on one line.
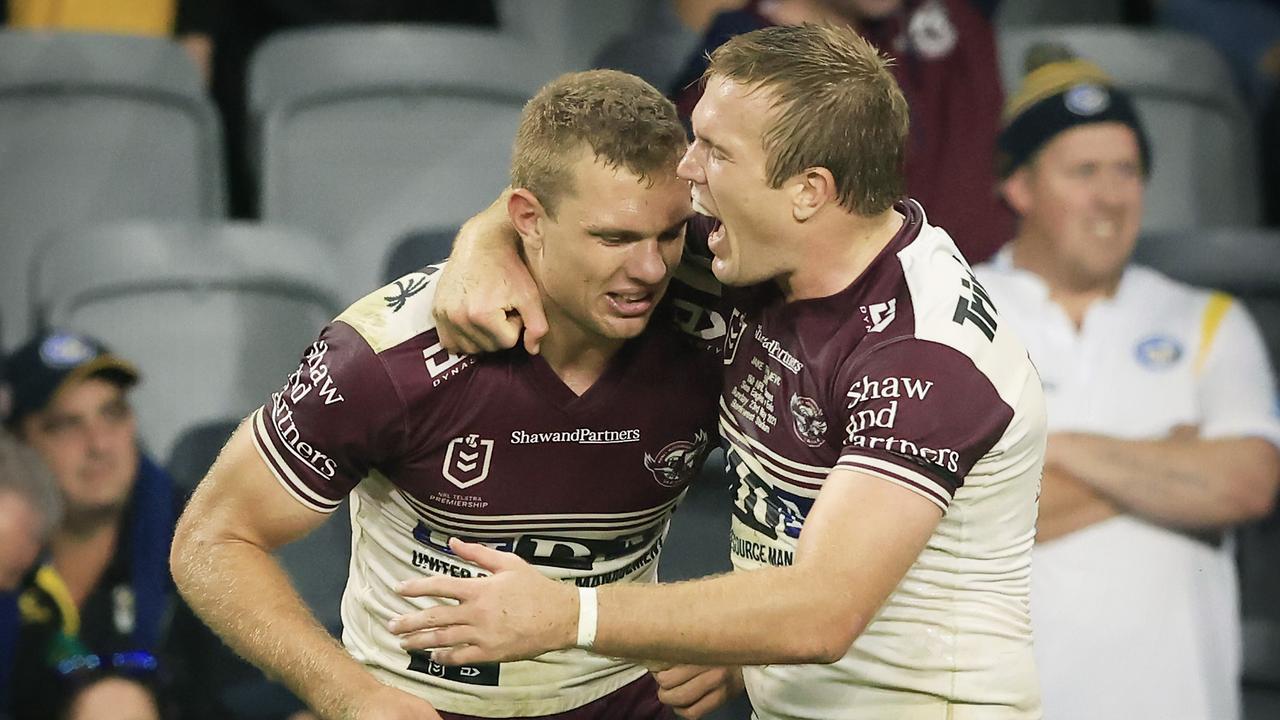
[[634, 304], [717, 234]]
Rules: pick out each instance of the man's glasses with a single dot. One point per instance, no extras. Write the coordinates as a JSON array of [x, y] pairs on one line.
[[136, 662]]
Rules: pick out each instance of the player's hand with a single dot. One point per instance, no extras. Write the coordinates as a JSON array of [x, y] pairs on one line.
[[485, 295], [693, 691], [514, 614], [388, 703]]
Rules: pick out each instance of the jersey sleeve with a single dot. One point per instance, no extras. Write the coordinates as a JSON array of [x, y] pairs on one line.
[[336, 417], [1236, 388], [919, 414]]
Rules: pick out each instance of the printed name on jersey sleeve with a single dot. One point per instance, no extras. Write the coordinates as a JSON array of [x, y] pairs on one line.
[[321, 431], [920, 415]]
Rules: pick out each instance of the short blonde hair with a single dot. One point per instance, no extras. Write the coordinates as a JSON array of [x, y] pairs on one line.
[[623, 119], [836, 105]]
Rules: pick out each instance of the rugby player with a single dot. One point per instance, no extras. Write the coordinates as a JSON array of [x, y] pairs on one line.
[[573, 459], [885, 429]]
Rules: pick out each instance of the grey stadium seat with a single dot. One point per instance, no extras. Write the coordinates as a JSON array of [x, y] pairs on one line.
[[1246, 263], [96, 127], [1205, 157], [368, 133], [569, 33], [415, 251], [214, 315], [657, 54]]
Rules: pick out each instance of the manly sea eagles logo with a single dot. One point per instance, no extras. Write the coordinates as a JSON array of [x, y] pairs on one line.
[[467, 460], [809, 424], [678, 462], [407, 287]]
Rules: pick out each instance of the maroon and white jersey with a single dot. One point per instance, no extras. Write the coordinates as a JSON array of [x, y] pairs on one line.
[[907, 375], [494, 449]]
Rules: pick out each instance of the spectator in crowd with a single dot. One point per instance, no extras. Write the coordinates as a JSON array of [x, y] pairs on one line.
[[1163, 431], [103, 587], [29, 509], [945, 62]]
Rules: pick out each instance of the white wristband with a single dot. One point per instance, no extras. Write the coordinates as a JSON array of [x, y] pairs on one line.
[[588, 612]]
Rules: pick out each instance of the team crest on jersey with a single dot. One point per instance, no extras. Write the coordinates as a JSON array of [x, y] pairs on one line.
[[733, 335], [1159, 352], [809, 424], [679, 461], [407, 287], [466, 462]]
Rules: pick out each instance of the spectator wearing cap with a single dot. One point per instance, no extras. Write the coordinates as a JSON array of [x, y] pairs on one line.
[[104, 586], [1161, 413]]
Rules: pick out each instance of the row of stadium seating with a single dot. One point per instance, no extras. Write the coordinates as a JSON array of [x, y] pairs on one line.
[[364, 135]]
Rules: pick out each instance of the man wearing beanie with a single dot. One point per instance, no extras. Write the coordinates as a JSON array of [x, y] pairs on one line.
[[1160, 408]]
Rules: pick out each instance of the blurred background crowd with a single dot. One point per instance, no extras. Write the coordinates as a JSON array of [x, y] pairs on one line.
[[191, 188]]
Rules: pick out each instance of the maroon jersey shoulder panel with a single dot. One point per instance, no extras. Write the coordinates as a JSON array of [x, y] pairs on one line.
[[308, 432], [922, 403]]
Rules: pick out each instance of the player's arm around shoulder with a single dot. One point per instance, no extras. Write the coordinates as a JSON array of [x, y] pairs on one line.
[[222, 564]]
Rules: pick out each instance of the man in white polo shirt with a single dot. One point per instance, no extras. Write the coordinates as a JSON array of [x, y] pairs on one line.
[[1161, 410]]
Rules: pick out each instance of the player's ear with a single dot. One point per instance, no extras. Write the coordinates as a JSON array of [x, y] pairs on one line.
[[527, 216], [811, 190]]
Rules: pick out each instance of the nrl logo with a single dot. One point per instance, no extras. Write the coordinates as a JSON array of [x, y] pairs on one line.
[[466, 462], [809, 424], [678, 462]]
